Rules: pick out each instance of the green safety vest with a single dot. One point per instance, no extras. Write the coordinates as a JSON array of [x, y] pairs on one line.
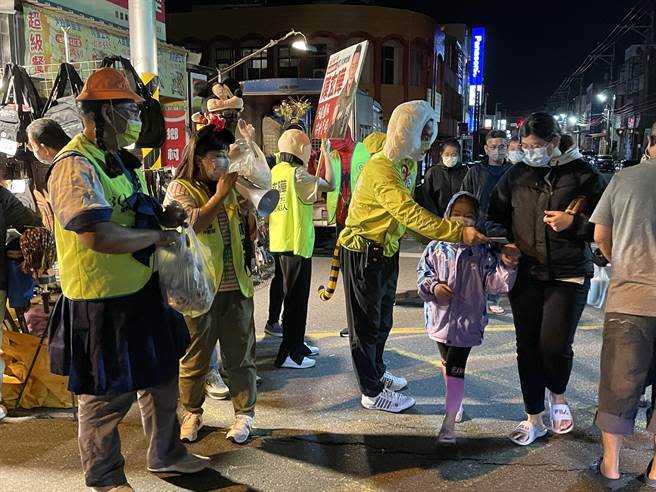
[[87, 274], [291, 228], [211, 237]]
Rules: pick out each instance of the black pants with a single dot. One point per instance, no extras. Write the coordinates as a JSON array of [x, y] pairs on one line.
[[276, 293], [454, 359], [546, 314], [296, 277], [370, 292]]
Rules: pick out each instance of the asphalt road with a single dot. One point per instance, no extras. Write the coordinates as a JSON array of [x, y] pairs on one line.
[[312, 434]]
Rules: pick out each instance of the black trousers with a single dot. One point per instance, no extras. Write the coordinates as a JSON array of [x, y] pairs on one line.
[[296, 277], [546, 314], [370, 291], [276, 293], [454, 359]]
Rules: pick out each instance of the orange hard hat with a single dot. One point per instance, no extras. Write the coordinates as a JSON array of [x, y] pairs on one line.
[[106, 84]]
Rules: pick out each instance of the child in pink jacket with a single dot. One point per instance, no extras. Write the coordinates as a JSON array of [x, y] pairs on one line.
[[453, 280]]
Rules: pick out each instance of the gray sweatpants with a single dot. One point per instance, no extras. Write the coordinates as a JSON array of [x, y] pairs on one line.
[[99, 441], [626, 356]]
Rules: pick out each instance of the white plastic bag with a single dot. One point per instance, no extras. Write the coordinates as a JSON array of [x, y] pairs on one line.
[[599, 287], [249, 161], [186, 275]]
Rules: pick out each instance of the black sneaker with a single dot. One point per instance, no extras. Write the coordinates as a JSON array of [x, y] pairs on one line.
[[273, 330], [344, 333]]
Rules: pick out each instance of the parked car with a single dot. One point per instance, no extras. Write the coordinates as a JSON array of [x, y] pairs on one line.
[[604, 164], [623, 164]]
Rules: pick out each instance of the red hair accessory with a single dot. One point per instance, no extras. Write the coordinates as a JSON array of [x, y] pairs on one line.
[[217, 122]]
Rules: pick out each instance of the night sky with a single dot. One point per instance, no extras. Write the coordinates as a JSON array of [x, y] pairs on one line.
[[532, 44]]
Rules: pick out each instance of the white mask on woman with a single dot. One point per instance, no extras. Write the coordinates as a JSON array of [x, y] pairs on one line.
[[541, 156], [451, 161]]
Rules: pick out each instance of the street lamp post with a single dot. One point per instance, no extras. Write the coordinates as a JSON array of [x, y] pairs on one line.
[[609, 110], [300, 44]]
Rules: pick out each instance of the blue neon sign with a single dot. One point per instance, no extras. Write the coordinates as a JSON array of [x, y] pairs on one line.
[[477, 56]]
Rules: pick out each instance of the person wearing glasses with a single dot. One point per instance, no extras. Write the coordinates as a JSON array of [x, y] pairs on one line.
[[533, 206], [481, 180]]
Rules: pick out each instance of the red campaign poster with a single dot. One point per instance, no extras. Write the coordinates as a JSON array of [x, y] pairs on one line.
[[338, 92], [175, 118]]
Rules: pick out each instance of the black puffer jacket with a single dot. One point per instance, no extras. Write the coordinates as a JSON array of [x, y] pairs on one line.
[[517, 207], [440, 184]]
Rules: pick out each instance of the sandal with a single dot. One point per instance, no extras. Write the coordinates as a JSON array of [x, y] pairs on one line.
[[459, 415], [526, 433], [650, 482], [595, 470], [446, 437], [557, 413]]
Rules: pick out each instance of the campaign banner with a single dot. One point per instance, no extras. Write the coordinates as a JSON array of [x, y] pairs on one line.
[[111, 11], [340, 86], [45, 47], [175, 119]]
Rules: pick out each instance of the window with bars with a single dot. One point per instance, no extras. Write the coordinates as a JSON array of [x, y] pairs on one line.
[[255, 68], [314, 64], [287, 62], [388, 64], [417, 67], [224, 57]]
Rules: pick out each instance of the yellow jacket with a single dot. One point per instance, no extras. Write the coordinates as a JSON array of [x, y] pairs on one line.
[[382, 206]]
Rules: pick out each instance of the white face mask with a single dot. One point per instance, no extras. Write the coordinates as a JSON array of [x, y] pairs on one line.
[[540, 157], [516, 156], [463, 221], [450, 161], [497, 156]]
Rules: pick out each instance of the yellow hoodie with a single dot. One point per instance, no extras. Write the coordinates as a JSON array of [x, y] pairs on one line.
[[382, 206]]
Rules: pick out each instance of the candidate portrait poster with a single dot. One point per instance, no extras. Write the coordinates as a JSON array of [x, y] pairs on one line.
[[339, 90]]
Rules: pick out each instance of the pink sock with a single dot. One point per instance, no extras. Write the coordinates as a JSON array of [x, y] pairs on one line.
[[455, 392]]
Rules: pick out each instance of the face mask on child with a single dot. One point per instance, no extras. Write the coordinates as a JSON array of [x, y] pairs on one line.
[[463, 221]]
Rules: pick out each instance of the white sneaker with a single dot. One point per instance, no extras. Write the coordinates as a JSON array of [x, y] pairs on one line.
[[215, 388], [311, 351], [191, 424], [388, 401], [306, 364], [3, 409], [191, 463], [392, 382], [240, 429]]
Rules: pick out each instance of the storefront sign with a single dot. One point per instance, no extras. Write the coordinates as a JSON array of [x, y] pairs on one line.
[[112, 11], [45, 47], [340, 86], [477, 56], [175, 117]]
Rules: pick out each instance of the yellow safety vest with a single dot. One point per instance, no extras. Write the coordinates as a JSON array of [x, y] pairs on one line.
[[211, 237], [291, 228], [87, 274]]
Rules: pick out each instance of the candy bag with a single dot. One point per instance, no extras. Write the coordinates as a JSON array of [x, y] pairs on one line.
[[186, 275]]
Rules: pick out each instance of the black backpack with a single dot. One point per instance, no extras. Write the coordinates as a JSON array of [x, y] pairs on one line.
[[153, 130], [61, 108], [20, 104]]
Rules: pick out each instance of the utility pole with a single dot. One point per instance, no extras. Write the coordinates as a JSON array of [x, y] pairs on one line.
[[143, 54]]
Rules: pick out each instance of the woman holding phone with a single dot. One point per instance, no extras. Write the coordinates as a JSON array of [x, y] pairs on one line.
[[542, 205]]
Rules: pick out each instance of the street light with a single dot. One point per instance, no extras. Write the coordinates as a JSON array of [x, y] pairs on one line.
[[563, 116], [300, 44], [602, 97], [572, 120]]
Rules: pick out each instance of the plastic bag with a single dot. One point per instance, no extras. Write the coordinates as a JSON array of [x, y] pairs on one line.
[[599, 287], [186, 275], [250, 162]]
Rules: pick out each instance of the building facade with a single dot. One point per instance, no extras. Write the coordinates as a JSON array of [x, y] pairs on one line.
[[401, 62]]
